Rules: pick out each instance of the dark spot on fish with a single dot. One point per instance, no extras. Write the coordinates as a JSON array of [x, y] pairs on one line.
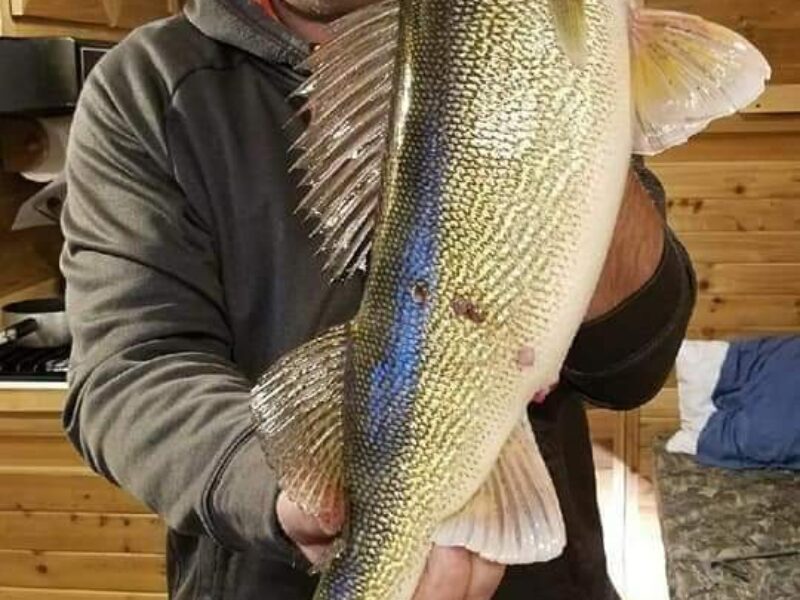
[[41, 569], [420, 292], [464, 307], [740, 189], [703, 285], [526, 357]]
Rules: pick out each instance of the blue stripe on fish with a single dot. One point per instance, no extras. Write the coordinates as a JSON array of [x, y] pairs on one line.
[[394, 378]]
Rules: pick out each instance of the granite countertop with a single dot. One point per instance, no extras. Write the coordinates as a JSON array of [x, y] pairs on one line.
[[728, 535]]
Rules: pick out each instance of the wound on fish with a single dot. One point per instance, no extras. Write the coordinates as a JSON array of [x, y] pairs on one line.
[[420, 292], [526, 357], [464, 307]]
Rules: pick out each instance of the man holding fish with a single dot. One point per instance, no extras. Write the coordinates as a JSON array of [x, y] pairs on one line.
[[520, 266]]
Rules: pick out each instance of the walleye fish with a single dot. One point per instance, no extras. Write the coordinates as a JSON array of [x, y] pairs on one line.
[[472, 156]]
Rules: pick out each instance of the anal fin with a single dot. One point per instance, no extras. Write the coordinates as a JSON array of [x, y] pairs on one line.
[[297, 408], [515, 516]]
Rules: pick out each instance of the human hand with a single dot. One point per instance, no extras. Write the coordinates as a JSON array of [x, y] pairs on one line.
[[450, 574], [458, 574], [312, 535]]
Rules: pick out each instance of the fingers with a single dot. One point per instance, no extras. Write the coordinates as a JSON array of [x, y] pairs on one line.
[[446, 576], [485, 578], [312, 535], [457, 574]]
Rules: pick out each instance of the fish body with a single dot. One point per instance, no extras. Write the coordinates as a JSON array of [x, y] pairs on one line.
[[490, 157], [505, 171]]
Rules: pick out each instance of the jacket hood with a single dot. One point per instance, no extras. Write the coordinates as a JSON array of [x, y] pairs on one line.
[[243, 24]]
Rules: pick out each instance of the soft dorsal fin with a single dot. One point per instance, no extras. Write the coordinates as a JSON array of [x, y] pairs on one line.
[[686, 72], [342, 149]]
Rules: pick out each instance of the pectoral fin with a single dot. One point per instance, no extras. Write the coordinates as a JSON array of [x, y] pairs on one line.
[[297, 408], [570, 19], [515, 517], [687, 72]]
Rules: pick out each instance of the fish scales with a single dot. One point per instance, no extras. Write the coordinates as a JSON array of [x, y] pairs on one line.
[[492, 191]]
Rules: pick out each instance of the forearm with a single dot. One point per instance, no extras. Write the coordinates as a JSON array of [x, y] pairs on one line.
[[155, 402], [635, 251], [638, 318]]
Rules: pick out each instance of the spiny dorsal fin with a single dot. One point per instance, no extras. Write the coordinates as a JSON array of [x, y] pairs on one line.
[[342, 149], [570, 18]]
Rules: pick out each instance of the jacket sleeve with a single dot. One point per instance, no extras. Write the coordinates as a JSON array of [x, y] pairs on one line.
[[622, 359], [155, 403]]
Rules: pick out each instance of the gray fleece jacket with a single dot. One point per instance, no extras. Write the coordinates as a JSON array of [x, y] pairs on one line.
[[188, 273]]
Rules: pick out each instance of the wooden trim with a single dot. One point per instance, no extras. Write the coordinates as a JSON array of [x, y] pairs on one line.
[[82, 532], [77, 570], [15, 593], [63, 490], [32, 401], [777, 99]]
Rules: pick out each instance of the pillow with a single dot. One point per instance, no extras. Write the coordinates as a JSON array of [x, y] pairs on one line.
[[756, 423], [698, 366]]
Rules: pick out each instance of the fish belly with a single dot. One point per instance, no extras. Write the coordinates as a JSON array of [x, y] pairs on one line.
[[506, 167]]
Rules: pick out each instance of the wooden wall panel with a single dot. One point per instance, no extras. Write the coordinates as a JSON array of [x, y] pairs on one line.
[[62, 491], [87, 571], [14, 593], [82, 532], [66, 533], [691, 215]]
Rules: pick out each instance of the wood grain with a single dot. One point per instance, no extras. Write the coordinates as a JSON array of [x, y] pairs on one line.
[[761, 279], [13, 593], [91, 571], [30, 424], [663, 406], [36, 451], [777, 99], [734, 147], [88, 532], [731, 179], [737, 333], [689, 215], [49, 402], [743, 247], [62, 491], [743, 311]]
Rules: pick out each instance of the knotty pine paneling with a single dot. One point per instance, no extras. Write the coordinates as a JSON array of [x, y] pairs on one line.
[[15, 593], [66, 533]]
